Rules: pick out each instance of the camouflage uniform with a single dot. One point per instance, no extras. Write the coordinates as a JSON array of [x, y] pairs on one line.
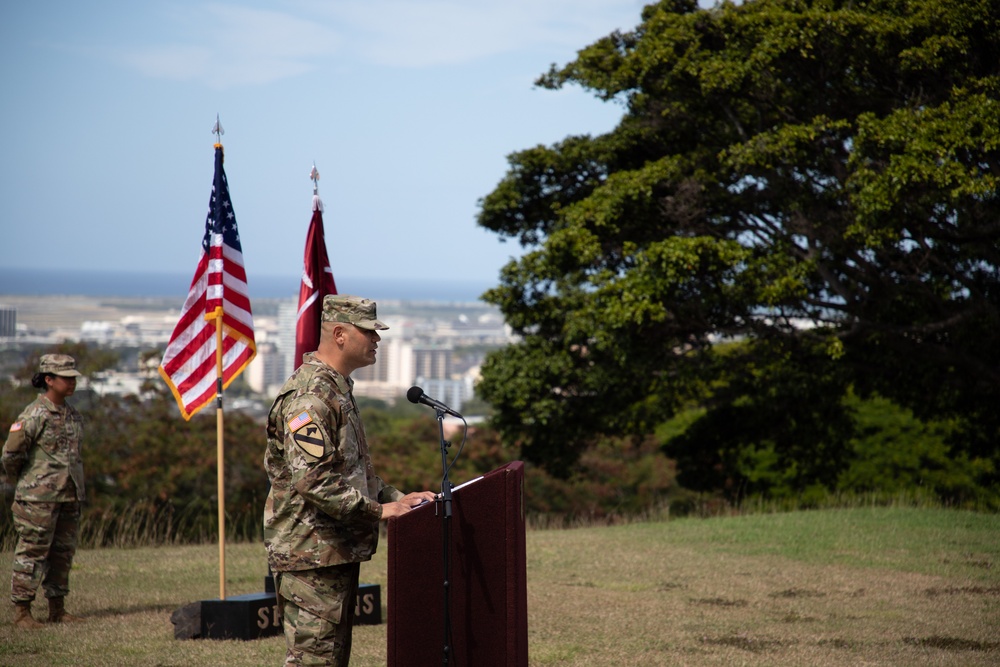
[[322, 513], [42, 453]]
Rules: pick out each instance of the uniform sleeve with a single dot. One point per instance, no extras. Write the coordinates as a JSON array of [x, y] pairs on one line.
[[316, 463], [388, 493], [15, 449]]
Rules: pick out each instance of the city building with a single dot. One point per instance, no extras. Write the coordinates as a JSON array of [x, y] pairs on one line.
[[288, 311], [265, 374], [438, 347], [8, 322]]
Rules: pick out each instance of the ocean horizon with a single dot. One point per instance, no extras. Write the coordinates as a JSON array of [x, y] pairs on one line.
[[138, 284]]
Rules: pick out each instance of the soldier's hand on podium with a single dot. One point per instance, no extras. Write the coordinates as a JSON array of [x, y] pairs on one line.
[[406, 503]]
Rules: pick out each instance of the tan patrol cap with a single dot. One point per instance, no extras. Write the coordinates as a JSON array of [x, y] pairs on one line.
[[351, 310], [58, 364]]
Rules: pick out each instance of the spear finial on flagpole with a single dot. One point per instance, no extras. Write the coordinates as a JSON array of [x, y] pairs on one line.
[[314, 176], [217, 130]]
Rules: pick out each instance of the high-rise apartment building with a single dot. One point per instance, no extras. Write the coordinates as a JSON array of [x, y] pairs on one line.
[[265, 372], [8, 322], [432, 361], [287, 315]]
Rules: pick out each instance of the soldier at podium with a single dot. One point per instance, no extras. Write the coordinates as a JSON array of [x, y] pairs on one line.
[[321, 518]]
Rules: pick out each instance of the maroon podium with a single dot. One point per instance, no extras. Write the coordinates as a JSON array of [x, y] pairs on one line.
[[488, 600]]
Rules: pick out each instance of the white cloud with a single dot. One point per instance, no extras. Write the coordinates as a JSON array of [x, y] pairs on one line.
[[229, 44], [404, 33]]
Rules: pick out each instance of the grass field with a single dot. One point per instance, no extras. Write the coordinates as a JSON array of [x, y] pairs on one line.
[[861, 586]]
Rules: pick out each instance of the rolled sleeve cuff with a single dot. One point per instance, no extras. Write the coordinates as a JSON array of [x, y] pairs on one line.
[[373, 510], [390, 494]]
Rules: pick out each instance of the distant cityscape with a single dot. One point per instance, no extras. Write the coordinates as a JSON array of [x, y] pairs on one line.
[[436, 345]]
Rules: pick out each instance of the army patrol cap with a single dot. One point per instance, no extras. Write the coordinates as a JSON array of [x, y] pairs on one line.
[[351, 310], [58, 364]]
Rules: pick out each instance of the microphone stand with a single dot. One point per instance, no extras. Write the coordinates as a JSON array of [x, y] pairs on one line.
[[446, 534]]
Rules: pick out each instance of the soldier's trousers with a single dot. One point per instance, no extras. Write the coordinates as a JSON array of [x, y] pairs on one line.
[[47, 539], [317, 608]]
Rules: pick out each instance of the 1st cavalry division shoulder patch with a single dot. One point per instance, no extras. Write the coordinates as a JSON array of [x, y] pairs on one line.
[[307, 435]]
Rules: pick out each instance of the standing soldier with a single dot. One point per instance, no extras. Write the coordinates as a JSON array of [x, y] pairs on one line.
[[42, 458], [322, 515]]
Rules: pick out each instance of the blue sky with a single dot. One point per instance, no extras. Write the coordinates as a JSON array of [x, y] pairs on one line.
[[408, 109]]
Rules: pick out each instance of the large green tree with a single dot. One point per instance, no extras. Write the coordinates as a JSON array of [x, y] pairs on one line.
[[813, 181]]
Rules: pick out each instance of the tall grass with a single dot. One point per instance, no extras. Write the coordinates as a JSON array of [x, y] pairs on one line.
[[706, 506], [148, 524]]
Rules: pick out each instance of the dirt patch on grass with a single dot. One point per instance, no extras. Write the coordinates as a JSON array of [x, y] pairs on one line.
[[721, 602], [792, 593], [746, 643], [963, 590], [952, 643]]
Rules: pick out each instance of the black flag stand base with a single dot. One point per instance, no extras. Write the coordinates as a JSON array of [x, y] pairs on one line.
[[250, 616], [255, 615]]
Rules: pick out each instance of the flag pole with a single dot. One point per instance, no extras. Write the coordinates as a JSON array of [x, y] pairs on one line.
[[220, 447], [219, 425]]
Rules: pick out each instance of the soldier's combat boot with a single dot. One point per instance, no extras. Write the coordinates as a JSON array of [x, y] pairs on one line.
[[58, 613], [23, 618]]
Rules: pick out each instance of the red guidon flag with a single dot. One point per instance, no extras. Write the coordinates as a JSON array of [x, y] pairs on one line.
[[317, 282], [218, 290]]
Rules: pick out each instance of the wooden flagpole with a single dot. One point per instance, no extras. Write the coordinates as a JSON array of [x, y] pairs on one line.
[[220, 448]]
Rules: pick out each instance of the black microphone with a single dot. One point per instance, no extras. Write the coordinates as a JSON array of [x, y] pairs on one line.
[[417, 395]]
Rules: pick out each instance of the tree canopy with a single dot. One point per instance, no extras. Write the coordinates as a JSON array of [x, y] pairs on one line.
[[800, 201]]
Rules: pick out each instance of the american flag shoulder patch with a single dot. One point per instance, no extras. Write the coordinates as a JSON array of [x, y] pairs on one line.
[[16, 426], [299, 420]]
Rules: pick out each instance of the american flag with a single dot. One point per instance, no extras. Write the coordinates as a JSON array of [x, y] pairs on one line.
[[218, 289], [317, 282], [299, 421]]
